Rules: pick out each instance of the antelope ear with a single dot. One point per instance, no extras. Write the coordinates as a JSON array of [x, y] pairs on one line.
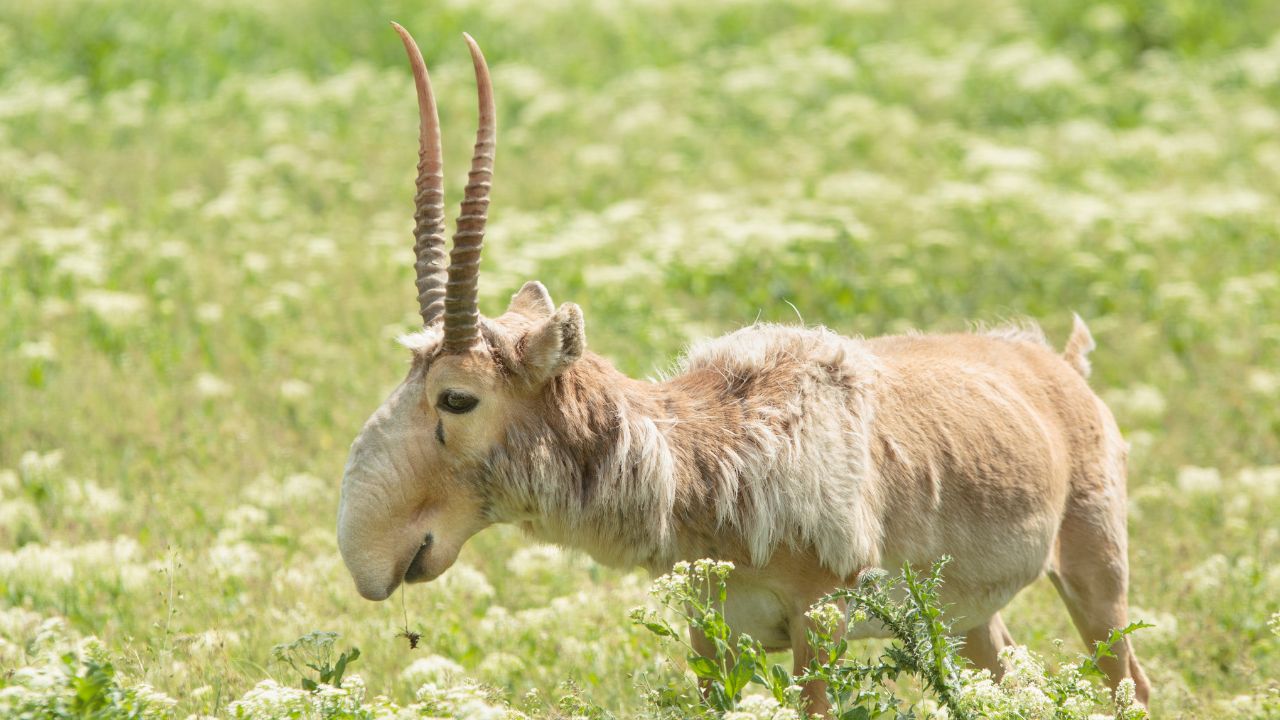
[[532, 301], [554, 345]]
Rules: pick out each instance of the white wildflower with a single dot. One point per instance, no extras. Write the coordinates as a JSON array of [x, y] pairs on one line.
[[35, 464], [153, 700], [1199, 480], [167, 249], [18, 515], [1126, 697], [1261, 481], [209, 313], [759, 707], [978, 690], [269, 307], [431, 669], [255, 263], [237, 559], [211, 386], [41, 349], [985, 155], [1166, 623], [501, 665], [19, 624], [1049, 72], [467, 581], [1140, 402], [465, 700], [1210, 574], [269, 699], [599, 157], [300, 487], [533, 560], [58, 564], [1264, 382], [244, 520], [295, 390], [117, 309], [827, 617], [86, 265], [93, 500]]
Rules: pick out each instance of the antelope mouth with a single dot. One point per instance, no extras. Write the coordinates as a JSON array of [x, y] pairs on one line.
[[417, 570]]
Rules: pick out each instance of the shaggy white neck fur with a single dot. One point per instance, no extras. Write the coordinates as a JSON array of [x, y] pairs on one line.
[[731, 457]]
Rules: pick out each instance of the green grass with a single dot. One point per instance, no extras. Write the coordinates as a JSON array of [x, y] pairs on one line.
[[240, 175]]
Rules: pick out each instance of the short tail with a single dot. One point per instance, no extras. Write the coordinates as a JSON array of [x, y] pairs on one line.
[[1079, 345]]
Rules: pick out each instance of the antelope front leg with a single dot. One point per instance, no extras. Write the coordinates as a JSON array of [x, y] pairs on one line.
[[824, 623], [814, 692]]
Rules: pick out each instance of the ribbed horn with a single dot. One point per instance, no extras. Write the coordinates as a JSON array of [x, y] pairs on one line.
[[428, 201], [461, 317]]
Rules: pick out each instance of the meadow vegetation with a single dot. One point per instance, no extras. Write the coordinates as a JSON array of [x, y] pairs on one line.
[[205, 259]]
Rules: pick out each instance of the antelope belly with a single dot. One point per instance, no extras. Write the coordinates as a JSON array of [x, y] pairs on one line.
[[760, 613]]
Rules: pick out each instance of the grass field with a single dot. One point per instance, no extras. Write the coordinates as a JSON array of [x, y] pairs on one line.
[[205, 256]]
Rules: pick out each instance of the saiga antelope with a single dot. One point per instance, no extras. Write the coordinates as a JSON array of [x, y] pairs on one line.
[[800, 455]]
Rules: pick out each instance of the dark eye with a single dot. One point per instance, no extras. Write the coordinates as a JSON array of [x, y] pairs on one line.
[[457, 402]]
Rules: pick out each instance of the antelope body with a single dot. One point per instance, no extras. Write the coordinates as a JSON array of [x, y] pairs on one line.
[[802, 456]]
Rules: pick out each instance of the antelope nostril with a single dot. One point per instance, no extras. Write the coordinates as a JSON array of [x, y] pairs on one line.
[[417, 569]]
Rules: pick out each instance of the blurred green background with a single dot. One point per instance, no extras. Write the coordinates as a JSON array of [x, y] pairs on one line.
[[205, 255]]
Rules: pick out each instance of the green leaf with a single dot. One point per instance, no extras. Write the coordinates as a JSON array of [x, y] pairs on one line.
[[659, 629], [704, 667], [719, 699], [740, 675], [722, 647], [779, 681]]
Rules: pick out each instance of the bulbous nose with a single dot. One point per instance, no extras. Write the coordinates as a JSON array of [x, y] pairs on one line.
[[369, 546], [376, 594]]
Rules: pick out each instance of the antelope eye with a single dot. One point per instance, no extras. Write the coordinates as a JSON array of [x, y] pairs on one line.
[[457, 402]]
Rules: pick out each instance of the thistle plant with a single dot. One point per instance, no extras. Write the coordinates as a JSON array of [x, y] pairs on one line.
[[922, 648]]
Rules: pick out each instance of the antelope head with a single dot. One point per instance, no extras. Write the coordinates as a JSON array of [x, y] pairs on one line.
[[414, 487]]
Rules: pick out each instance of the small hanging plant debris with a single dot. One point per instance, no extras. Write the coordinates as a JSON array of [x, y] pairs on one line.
[[406, 633]]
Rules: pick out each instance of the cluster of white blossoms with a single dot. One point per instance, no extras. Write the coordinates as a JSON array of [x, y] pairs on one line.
[[40, 493], [1022, 684], [686, 578], [1139, 403], [432, 668], [762, 707], [534, 561], [827, 617], [1261, 482], [269, 700], [64, 671], [1193, 479], [57, 564], [466, 699], [1025, 692]]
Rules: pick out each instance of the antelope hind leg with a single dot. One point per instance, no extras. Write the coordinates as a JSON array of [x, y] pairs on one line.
[[1091, 574]]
